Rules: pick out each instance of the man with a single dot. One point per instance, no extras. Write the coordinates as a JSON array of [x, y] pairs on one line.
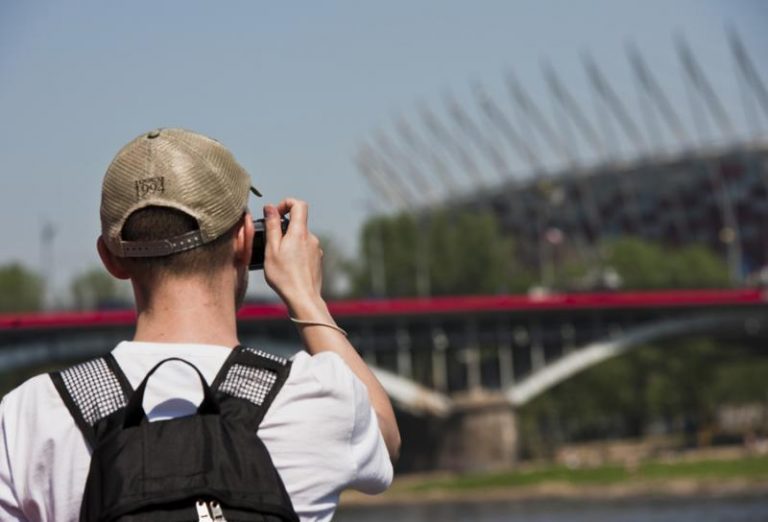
[[175, 222]]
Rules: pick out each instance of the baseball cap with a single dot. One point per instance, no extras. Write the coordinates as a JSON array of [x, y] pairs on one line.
[[178, 169]]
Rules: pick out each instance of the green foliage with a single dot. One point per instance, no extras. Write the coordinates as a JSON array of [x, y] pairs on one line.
[[448, 254], [467, 253], [94, 288], [678, 384], [742, 381], [444, 250], [484, 258], [21, 290], [645, 265], [336, 269], [389, 246]]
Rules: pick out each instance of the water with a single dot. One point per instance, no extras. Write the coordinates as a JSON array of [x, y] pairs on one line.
[[697, 509]]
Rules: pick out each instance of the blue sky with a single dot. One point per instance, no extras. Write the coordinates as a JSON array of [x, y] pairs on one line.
[[293, 88]]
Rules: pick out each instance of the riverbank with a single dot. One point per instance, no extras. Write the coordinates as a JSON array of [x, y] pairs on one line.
[[742, 475]]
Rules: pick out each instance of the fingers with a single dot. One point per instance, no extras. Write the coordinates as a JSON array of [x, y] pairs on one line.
[[293, 261], [299, 211], [315, 242], [273, 232]]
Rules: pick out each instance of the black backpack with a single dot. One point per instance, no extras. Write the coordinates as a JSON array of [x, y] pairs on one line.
[[208, 466]]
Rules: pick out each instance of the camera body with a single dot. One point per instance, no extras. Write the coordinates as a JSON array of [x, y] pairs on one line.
[[260, 242]]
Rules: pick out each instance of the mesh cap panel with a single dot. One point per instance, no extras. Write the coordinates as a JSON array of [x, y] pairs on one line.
[[178, 169]]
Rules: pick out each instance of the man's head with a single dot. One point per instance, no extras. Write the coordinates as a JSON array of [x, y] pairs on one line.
[[173, 204]]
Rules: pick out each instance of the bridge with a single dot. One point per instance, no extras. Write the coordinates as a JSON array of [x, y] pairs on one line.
[[463, 362]]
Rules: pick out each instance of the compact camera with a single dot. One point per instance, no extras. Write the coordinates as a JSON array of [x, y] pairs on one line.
[[260, 242]]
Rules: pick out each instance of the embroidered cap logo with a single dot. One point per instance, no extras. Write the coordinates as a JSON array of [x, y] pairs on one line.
[[149, 186]]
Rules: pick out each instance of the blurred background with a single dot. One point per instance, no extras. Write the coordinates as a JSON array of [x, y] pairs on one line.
[[545, 225]]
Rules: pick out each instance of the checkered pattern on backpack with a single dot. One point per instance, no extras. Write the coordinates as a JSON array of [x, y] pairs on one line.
[[94, 388], [249, 383], [282, 360]]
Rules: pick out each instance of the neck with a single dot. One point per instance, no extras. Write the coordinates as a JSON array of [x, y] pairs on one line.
[[187, 310]]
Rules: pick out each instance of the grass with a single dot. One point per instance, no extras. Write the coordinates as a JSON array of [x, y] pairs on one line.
[[748, 468]]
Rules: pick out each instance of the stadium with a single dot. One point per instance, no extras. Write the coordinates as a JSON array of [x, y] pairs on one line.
[[698, 191]]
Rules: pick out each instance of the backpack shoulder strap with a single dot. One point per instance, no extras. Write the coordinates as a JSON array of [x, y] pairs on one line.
[[92, 391], [254, 376]]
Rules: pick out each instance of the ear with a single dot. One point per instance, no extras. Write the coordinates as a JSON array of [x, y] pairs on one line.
[[111, 262], [244, 240]]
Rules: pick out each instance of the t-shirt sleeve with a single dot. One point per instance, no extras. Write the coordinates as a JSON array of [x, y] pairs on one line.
[[373, 468], [9, 504]]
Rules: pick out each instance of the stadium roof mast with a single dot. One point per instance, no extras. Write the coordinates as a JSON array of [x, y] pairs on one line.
[[613, 102], [729, 234], [376, 243], [422, 274], [700, 83], [532, 113], [654, 93], [525, 129], [369, 162], [382, 178], [605, 126], [417, 146], [499, 120], [441, 135], [535, 117], [568, 106], [424, 189], [609, 98], [470, 129], [568, 103], [542, 212], [386, 195], [654, 134], [749, 74]]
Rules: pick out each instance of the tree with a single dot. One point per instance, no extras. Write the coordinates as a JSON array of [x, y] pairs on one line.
[[677, 384], [336, 269], [21, 290], [388, 248], [646, 265], [695, 266], [484, 260], [95, 288], [442, 253]]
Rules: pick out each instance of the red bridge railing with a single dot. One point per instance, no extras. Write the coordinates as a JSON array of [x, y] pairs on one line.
[[426, 306]]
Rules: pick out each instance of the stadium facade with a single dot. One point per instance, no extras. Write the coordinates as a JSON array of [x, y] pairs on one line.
[[717, 198]]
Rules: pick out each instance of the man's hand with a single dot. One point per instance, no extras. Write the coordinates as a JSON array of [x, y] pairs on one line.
[[292, 262], [293, 268]]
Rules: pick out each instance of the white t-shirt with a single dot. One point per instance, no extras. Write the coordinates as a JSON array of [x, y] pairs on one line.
[[321, 432]]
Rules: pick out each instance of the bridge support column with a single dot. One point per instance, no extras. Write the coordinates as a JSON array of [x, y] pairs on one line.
[[480, 434]]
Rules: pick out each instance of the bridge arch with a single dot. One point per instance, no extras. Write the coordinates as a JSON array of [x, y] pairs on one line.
[[580, 359]]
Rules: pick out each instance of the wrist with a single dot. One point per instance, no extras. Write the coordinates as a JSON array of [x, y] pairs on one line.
[[305, 324], [308, 308]]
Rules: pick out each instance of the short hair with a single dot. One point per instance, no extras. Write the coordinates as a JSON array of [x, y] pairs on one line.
[[153, 223]]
